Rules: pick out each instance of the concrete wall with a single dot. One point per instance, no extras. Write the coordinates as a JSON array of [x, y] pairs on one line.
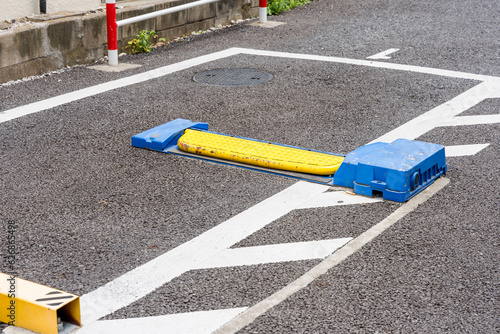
[[16, 9], [54, 6], [41, 47]]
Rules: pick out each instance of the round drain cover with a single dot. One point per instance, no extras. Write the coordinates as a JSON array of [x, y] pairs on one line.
[[233, 77]]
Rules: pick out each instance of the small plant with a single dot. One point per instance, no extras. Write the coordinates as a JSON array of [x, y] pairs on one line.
[[142, 42], [274, 7]]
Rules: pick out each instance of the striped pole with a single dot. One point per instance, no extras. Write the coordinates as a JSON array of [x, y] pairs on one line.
[[262, 11], [112, 32]]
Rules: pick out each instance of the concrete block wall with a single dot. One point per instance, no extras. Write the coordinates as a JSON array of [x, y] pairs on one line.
[[15, 9], [41, 47]]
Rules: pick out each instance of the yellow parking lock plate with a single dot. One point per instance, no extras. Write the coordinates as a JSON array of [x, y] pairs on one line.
[[259, 153], [36, 307], [399, 170]]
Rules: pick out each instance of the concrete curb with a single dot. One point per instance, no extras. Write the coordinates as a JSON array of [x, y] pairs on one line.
[[41, 47]]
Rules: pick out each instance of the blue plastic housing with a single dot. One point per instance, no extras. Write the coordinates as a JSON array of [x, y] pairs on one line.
[[166, 135], [398, 170]]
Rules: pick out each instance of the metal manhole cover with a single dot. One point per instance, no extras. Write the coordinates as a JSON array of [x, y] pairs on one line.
[[233, 77]]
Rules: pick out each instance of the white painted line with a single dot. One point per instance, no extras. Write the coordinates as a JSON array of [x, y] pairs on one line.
[[114, 68], [104, 87], [473, 120], [144, 279], [444, 114], [464, 150], [35, 107], [247, 317], [296, 251], [194, 322], [369, 63], [383, 55], [335, 198], [268, 24]]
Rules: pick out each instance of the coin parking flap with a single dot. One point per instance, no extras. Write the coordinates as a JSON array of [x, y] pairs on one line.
[[36, 307]]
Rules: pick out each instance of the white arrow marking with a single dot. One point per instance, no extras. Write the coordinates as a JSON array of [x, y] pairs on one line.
[[295, 251], [464, 150], [193, 322], [383, 54], [336, 198]]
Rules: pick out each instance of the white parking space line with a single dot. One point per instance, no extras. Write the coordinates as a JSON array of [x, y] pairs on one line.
[[35, 107], [464, 150], [56, 101], [200, 322], [375, 64], [247, 317], [146, 278], [295, 251], [383, 55], [444, 114]]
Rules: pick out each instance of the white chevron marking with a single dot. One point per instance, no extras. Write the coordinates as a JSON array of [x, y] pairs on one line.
[[464, 150], [295, 251]]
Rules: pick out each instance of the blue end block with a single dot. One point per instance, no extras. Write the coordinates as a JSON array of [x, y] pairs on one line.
[[398, 170], [166, 135]]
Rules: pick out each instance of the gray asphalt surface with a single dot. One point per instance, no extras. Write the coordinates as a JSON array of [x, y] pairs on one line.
[[89, 207]]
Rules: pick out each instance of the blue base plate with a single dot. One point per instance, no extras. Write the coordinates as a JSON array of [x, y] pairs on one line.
[[397, 170]]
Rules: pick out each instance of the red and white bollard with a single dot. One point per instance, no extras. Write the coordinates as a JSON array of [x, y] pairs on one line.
[[262, 11], [112, 32]]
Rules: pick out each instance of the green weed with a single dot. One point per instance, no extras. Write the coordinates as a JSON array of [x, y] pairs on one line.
[[274, 7], [142, 42]]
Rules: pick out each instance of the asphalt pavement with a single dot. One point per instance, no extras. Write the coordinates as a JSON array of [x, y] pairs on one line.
[[90, 208]]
